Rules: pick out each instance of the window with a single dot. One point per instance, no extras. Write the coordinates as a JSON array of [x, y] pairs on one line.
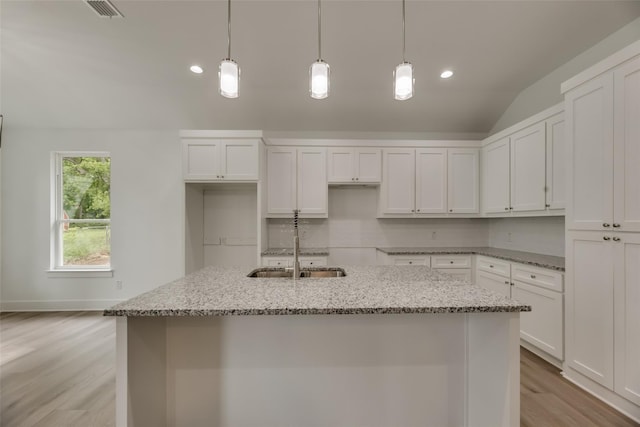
[[81, 211]]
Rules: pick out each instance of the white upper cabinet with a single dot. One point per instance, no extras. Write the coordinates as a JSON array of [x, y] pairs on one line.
[[495, 186], [528, 169], [589, 122], [430, 181], [463, 186], [556, 172], [524, 168], [297, 179], [626, 140], [220, 159], [397, 195], [354, 165]]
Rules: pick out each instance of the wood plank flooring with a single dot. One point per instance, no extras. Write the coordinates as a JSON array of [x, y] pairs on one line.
[[58, 370]]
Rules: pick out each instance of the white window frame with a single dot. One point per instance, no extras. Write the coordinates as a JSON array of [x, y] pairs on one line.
[[57, 267]]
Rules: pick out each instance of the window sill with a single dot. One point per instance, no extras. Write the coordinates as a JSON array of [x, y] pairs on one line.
[[84, 273]]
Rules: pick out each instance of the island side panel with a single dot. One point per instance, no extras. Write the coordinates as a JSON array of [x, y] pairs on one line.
[[141, 372], [493, 369], [309, 370]]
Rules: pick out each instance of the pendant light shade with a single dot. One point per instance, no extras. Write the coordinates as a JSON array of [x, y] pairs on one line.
[[229, 72], [319, 72], [319, 79], [403, 81], [229, 75]]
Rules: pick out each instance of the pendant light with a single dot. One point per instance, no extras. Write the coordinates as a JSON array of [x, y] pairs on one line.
[[403, 80], [319, 72], [229, 72]]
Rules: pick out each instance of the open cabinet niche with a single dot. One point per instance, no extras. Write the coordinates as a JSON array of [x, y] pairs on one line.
[[221, 225]]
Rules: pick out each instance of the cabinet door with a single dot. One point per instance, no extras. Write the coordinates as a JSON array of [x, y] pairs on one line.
[[368, 165], [589, 305], [528, 157], [201, 160], [463, 180], [281, 180], [589, 122], [627, 315], [312, 181], [556, 162], [495, 187], [239, 160], [397, 195], [542, 326], [340, 165], [494, 282], [626, 172], [431, 180]]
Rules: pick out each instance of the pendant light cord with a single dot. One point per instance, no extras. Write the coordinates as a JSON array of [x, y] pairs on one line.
[[319, 33], [229, 29], [403, 33]]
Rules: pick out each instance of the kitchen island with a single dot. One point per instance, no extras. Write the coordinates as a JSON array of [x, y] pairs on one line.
[[383, 346]]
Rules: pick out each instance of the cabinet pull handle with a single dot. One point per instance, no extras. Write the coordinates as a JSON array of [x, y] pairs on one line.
[[418, 210], [357, 179], [506, 209], [616, 225], [410, 262], [412, 210], [506, 282], [511, 208], [606, 225], [512, 284], [547, 206], [450, 210], [606, 238], [490, 266], [533, 276], [450, 262], [616, 239]]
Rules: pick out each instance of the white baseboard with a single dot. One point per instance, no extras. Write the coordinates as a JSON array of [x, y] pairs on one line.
[[620, 404], [57, 305]]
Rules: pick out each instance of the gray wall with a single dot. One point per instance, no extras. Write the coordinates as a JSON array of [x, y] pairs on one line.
[[546, 92]]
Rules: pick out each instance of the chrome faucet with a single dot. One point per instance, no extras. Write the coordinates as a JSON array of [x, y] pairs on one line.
[[296, 245]]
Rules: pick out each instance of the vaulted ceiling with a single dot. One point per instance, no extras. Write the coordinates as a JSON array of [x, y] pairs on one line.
[[65, 67]]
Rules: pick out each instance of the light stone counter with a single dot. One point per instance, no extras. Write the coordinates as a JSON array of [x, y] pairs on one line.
[[217, 291]]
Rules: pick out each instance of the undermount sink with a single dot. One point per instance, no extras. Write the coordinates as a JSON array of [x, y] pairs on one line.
[[304, 272]]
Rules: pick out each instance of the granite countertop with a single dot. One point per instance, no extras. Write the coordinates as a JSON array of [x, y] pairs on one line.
[[289, 252], [220, 291], [538, 260]]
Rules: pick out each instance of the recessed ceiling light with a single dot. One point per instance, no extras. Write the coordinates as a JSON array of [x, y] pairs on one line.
[[446, 74], [196, 69]]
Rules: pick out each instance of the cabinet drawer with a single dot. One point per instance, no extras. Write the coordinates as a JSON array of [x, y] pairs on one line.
[[494, 265], [537, 276], [451, 261], [463, 274], [276, 262], [313, 262], [412, 260]]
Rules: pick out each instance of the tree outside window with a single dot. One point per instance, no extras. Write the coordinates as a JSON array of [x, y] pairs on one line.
[[82, 211]]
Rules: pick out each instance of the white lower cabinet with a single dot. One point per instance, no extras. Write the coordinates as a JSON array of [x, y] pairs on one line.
[[409, 260], [603, 320], [287, 261], [541, 288]]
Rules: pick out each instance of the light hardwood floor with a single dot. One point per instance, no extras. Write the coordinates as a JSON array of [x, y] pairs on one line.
[[58, 370]]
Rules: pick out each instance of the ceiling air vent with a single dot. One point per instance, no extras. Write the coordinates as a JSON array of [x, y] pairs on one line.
[[104, 8]]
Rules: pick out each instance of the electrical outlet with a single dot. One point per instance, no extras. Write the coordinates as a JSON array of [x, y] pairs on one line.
[[509, 236], [433, 235], [119, 285]]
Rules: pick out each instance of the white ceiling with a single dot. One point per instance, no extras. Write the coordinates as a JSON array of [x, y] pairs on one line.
[[63, 66]]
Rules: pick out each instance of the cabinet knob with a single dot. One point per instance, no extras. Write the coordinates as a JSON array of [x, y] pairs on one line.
[[217, 176], [606, 238], [512, 284], [506, 209], [418, 210], [547, 206], [506, 282], [533, 276], [450, 262], [353, 179], [410, 262], [510, 208], [412, 210], [357, 179], [606, 225], [616, 239], [490, 266], [616, 225], [450, 210]]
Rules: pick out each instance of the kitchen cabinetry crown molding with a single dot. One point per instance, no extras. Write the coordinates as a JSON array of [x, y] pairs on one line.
[[386, 143], [227, 134], [543, 115], [602, 67]]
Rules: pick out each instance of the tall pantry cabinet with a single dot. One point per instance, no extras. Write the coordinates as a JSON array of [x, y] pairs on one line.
[[602, 113]]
